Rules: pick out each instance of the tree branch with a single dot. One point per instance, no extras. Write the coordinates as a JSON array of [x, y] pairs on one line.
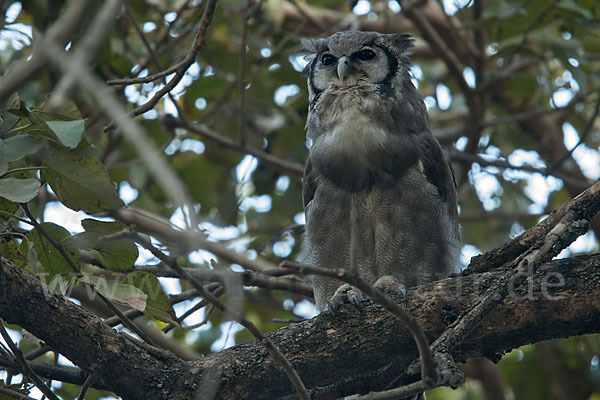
[[60, 32], [369, 349]]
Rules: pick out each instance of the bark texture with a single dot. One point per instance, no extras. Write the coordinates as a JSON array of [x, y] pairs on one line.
[[349, 352]]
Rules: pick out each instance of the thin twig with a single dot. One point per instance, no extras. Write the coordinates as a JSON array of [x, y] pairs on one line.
[[153, 55], [161, 228], [207, 316], [397, 393], [150, 78], [39, 383], [248, 278], [354, 237], [287, 167], [587, 130], [188, 60], [510, 250], [159, 43], [49, 238], [110, 104], [273, 350], [311, 20], [85, 50], [14, 395], [242, 73], [60, 32], [89, 381], [126, 321], [174, 299], [141, 35], [529, 29], [504, 164]]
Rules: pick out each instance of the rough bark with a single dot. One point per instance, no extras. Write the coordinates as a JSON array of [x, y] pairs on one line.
[[349, 352]]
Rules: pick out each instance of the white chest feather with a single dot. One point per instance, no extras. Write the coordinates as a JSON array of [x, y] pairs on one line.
[[349, 126]]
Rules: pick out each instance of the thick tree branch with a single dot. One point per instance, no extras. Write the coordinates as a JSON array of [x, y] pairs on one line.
[[370, 349], [584, 206]]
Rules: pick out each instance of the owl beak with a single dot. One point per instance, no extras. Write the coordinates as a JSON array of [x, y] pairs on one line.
[[343, 67]]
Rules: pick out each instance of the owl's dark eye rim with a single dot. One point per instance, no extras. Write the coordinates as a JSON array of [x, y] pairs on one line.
[[365, 55], [328, 59]]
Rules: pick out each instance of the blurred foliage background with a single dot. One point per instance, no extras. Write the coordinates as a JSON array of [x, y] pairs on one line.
[[513, 96]]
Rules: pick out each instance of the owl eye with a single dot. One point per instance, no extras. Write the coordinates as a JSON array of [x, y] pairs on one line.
[[366, 55], [328, 59]]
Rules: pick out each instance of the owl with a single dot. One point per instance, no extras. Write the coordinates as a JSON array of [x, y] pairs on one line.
[[372, 156]]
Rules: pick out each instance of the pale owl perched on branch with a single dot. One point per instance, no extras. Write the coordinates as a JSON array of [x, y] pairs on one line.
[[372, 152]]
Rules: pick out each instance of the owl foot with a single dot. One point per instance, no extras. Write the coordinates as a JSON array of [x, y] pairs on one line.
[[389, 285], [344, 294]]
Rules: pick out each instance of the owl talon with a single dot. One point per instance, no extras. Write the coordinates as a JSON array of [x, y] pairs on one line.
[[344, 294], [356, 301], [331, 308], [389, 285], [404, 296]]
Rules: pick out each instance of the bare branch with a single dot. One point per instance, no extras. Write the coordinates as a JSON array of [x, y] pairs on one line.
[[188, 60], [282, 165], [583, 207], [85, 50], [188, 241], [248, 278], [110, 104], [319, 347], [60, 32], [25, 365], [242, 74], [126, 321], [273, 349]]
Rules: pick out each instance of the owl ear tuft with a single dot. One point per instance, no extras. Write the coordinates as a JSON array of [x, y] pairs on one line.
[[403, 44], [308, 46]]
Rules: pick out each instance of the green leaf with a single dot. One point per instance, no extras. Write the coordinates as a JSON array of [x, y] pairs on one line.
[[114, 255], [12, 251], [80, 182], [158, 305], [120, 292], [572, 6], [68, 112], [49, 260], [19, 190], [16, 147], [14, 102], [504, 10], [68, 132], [7, 120], [8, 208]]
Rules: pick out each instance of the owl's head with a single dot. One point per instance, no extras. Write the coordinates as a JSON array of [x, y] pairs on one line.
[[354, 58]]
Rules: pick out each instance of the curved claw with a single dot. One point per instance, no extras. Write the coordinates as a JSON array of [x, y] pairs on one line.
[[356, 301], [330, 308], [404, 295]]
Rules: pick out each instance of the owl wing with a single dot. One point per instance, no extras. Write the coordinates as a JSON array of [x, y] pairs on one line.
[[309, 183], [438, 170], [436, 167]]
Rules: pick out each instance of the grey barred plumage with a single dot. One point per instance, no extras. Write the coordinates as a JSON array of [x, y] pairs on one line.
[[372, 150]]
